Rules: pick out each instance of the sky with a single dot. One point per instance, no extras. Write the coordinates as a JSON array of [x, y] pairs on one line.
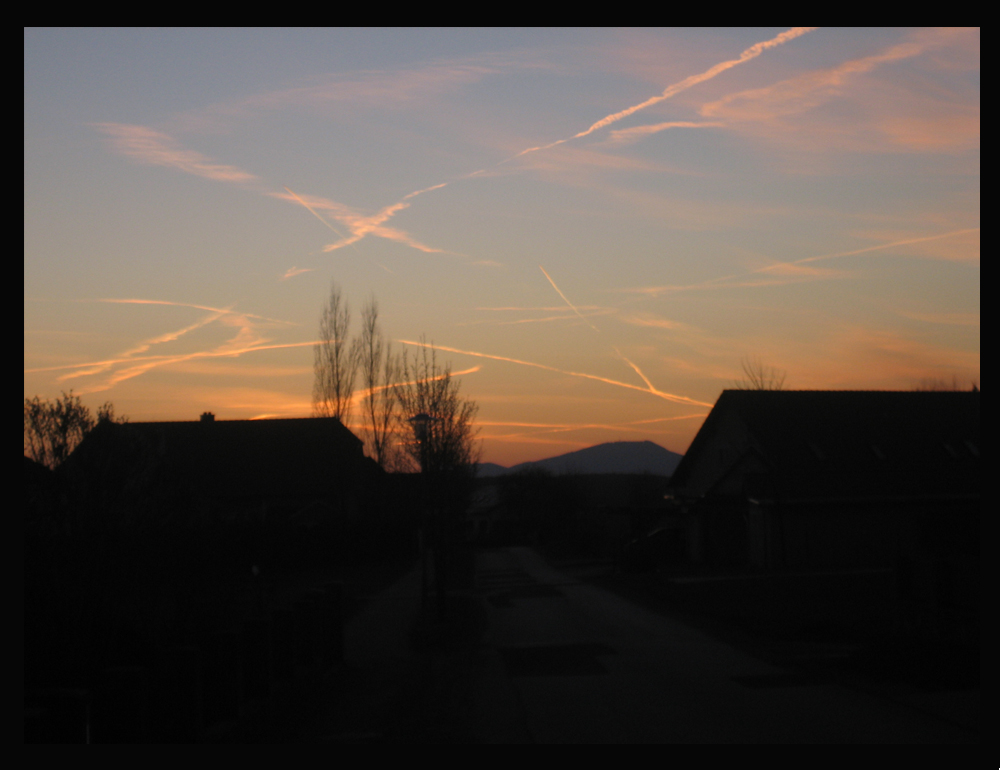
[[594, 228]]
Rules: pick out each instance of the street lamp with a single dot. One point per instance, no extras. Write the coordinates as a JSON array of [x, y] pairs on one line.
[[420, 423]]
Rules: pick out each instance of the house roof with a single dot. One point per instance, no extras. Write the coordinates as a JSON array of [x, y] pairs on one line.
[[840, 444], [242, 459]]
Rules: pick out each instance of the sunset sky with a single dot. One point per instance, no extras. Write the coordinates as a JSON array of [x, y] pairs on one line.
[[594, 227]]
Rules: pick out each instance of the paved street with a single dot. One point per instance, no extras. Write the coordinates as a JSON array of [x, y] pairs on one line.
[[566, 662]]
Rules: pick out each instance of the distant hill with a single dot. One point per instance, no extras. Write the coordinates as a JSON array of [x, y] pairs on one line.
[[613, 457]]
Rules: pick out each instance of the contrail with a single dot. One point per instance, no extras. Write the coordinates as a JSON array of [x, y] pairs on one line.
[[363, 392], [145, 363], [168, 303], [750, 53], [625, 135], [558, 307], [544, 427], [149, 146], [544, 319], [637, 370], [715, 282], [174, 335], [132, 354], [294, 271], [362, 226], [311, 211], [566, 300], [165, 358], [905, 242], [584, 425], [129, 364], [426, 189], [661, 394]]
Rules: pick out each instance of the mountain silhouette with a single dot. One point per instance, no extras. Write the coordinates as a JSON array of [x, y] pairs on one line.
[[612, 457]]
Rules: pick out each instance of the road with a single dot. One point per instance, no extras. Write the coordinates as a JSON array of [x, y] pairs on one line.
[[567, 662]]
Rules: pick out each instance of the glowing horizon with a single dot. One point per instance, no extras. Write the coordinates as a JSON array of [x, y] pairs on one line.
[[607, 221]]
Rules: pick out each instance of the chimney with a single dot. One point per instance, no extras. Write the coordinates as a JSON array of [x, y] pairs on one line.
[[207, 417]]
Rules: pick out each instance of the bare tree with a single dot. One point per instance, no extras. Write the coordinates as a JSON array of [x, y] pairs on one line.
[[334, 360], [444, 436], [379, 373], [757, 376], [53, 429]]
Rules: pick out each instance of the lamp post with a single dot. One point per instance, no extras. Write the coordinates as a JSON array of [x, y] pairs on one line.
[[420, 423]]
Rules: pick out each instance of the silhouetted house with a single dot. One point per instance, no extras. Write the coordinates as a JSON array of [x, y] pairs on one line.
[[225, 468], [42, 509], [819, 480]]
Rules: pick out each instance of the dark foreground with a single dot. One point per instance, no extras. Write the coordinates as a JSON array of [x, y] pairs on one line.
[[576, 653], [539, 655]]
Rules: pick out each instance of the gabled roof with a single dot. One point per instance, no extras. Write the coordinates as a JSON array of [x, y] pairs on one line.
[[843, 444], [291, 458]]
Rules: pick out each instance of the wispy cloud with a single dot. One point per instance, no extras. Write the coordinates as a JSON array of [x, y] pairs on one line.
[[566, 300], [415, 193], [143, 364], [146, 145], [312, 211], [654, 321], [804, 92], [234, 368], [133, 353], [659, 393], [672, 90], [228, 353], [133, 362], [532, 430], [618, 353], [359, 224], [947, 319], [871, 357], [345, 96], [544, 309], [358, 395], [779, 273], [294, 271], [868, 249], [543, 319], [170, 303], [634, 134], [883, 115], [149, 146], [142, 347]]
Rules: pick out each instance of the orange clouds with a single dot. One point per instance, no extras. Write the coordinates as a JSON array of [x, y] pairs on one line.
[[750, 53], [846, 107], [948, 319], [345, 96], [868, 357], [247, 338], [652, 391], [148, 146], [294, 271], [360, 225], [634, 134], [796, 271]]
